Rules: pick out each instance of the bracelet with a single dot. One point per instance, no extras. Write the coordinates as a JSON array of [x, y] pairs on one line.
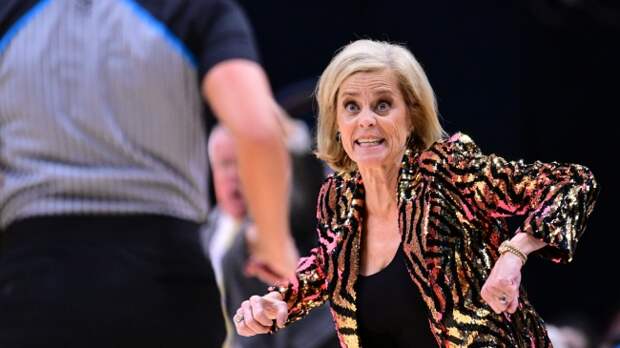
[[507, 247]]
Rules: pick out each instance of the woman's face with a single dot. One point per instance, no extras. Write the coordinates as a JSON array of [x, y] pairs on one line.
[[372, 119]]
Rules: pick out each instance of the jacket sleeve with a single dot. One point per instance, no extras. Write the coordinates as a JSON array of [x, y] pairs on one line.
[[309, 288], [555, 199]]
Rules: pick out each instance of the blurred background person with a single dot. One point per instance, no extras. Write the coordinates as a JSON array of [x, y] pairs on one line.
[[229, 237], [103, 159]]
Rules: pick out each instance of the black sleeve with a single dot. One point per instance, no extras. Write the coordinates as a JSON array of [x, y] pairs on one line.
[[226, 36], [212, 30]]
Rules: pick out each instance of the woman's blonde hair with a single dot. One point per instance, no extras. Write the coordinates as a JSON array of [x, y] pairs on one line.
[[369, 56]]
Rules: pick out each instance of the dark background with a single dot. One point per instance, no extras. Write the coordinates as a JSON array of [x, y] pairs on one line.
[[532, 79]]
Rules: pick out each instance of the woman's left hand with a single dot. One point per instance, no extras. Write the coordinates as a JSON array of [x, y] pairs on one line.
[[501, 289]]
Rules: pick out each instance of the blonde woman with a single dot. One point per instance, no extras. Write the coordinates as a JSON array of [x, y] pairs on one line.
[[413, 247]]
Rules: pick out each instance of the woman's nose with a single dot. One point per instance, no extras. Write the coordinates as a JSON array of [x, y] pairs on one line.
[[367, 119]]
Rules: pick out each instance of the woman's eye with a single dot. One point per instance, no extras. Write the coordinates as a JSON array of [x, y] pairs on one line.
[[350, 107], [383, 106]]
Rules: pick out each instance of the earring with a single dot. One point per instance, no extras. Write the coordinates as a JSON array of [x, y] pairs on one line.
[[337, 136]]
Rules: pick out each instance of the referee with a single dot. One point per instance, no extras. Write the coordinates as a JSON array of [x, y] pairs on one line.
[[104, 168]]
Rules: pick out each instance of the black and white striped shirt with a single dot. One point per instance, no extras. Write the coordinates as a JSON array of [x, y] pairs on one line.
[[100, 104]]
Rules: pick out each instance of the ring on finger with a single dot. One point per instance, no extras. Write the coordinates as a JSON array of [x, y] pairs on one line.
[[238, 318]]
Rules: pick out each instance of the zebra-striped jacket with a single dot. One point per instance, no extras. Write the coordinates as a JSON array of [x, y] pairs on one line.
[[452, 203]]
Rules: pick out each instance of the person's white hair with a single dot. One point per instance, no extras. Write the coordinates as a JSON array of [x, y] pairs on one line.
[[217, 132]]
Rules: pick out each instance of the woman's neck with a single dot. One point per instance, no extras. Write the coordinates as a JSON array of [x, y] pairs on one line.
[[380, 190]]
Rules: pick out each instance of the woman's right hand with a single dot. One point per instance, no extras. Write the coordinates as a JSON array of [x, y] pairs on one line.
[[256, 315]]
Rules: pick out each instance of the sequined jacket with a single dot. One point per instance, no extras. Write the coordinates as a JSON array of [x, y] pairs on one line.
[[453, 201]]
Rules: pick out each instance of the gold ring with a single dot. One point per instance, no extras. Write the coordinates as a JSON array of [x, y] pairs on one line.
[[238, 318]]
